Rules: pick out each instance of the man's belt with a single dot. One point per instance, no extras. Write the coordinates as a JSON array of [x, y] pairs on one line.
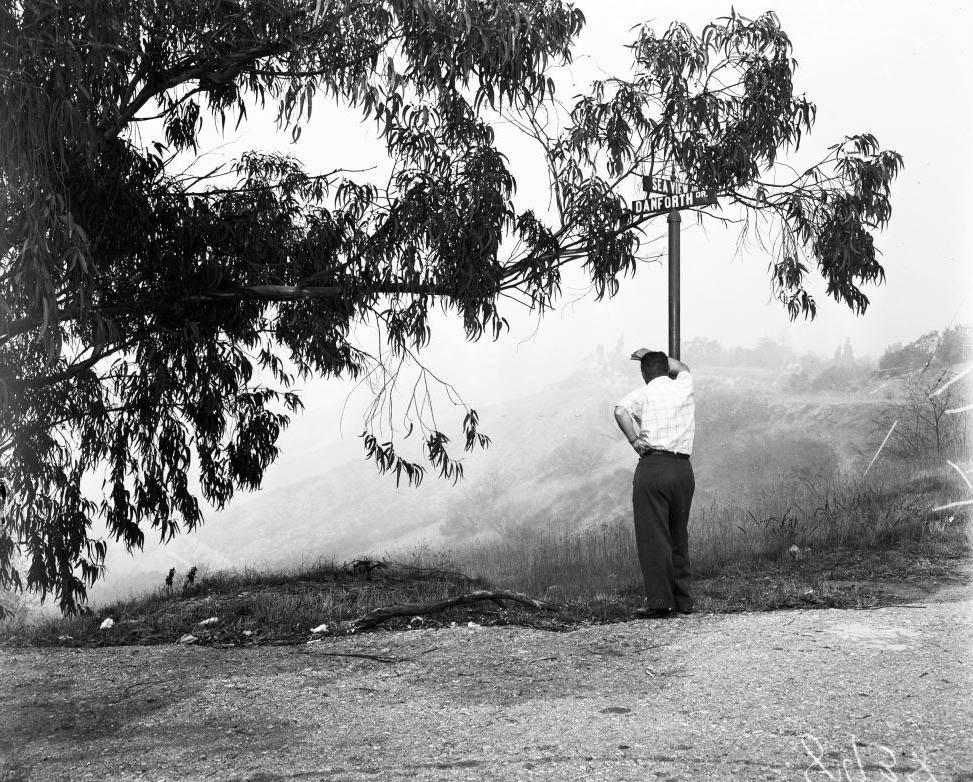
[[667, 453]]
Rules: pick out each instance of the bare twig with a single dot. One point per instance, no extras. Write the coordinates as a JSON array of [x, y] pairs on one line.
[[961, 474], [880, 449], [953, 505], [950, 382]]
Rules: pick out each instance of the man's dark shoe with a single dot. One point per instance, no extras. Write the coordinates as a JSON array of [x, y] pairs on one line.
[[653, 613], [688, 610]]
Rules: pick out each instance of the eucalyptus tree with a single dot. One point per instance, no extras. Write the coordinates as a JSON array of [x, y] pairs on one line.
[[153, 321]]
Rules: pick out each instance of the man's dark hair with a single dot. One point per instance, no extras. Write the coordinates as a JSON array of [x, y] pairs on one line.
[[655, 363]]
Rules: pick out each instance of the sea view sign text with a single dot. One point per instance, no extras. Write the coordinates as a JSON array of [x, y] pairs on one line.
[[663, 194]]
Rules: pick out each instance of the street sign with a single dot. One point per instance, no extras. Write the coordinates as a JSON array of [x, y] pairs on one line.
[[663, 194]]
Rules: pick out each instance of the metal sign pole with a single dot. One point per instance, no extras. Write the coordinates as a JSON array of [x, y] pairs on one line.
[[671, 194], [674, 225]]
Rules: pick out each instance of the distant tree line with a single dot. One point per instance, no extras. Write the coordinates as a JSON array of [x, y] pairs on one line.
[[950, 346], [767, 353], [953, 345], [843, 371]]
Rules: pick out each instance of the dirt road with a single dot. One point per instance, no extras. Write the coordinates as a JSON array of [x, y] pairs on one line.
[[883, 694]]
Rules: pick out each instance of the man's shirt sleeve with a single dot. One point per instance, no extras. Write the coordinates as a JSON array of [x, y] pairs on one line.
[[633, 403], [685, 381]]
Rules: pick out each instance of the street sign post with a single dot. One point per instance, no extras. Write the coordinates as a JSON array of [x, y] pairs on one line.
[[671, 195], [674, 221]]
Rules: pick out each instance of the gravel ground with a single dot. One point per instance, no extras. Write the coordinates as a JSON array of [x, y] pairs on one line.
[[793, 695]]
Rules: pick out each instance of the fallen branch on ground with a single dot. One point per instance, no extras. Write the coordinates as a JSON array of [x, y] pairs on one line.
[[379, 615], [379, 658]]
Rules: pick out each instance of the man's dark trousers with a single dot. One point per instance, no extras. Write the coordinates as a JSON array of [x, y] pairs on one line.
[[662, 493]]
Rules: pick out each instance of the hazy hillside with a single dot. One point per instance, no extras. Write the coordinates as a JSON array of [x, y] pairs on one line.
[[557, 459]]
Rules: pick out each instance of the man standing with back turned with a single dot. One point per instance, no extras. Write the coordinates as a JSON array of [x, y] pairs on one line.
[[659, 420]]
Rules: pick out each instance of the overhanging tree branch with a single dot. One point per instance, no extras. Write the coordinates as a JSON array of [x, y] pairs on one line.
[[198, 290]]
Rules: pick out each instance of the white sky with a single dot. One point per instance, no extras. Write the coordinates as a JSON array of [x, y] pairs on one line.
[[897, 70]]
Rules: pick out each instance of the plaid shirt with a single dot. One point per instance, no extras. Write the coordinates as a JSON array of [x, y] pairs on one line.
[[664, 413]]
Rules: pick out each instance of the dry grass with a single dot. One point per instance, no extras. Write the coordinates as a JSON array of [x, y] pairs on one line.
[[859, 545], [845, 531], [251, 607]]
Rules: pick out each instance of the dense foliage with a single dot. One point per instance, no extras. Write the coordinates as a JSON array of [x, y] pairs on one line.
[[145, 308]]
